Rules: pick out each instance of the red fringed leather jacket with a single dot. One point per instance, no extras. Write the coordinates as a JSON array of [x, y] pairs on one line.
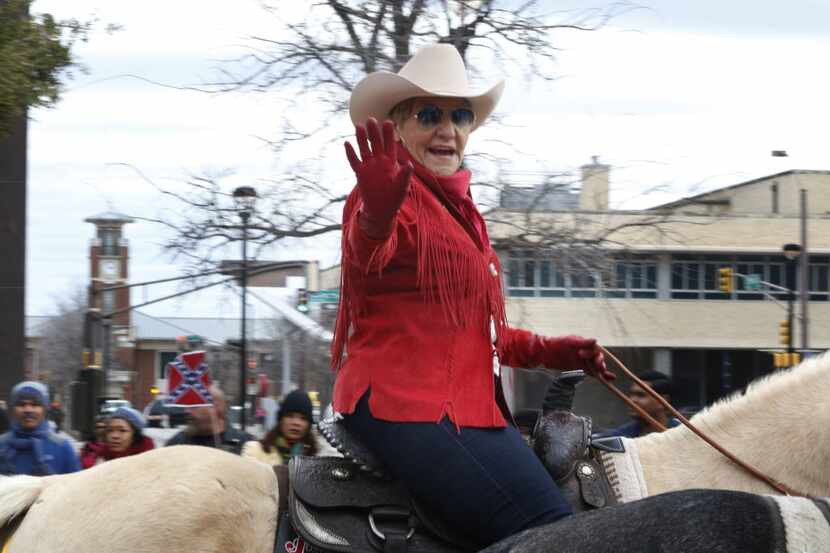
[[414, 323]]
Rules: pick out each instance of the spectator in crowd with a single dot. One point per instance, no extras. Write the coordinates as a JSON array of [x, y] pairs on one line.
[[155, 413], [208, 427], [124, 437], [55, 415], [637, 426], [30, 447], [93, 447], [4, 418], [291, 435]]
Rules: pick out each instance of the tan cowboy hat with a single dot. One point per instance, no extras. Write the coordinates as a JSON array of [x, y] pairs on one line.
[[436, 70]]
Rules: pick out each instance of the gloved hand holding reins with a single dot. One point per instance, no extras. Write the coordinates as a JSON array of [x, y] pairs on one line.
[[382, 180], [576, 352]]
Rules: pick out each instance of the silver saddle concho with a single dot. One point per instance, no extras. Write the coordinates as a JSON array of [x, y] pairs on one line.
[[351, 504], [562, 441]]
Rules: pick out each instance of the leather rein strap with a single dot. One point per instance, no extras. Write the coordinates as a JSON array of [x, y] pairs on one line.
[[777, 486]]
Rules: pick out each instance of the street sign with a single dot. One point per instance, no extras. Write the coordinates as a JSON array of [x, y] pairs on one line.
[[324, 296], [752, 281]]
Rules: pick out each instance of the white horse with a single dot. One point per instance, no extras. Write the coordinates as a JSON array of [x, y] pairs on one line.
[[780, 426], [183, 499], [188, 499]]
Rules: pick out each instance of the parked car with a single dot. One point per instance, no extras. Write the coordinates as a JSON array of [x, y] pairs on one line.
[[110, 405]]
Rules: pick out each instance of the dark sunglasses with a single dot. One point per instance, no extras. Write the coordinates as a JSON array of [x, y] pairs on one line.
[[430, 117]]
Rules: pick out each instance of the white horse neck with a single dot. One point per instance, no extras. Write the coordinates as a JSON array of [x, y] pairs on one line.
[[780, 426]]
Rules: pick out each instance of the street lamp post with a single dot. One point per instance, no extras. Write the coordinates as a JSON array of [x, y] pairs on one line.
[[245, 198], [791, 253]]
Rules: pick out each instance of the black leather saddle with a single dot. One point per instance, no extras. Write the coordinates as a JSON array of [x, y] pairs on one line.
[[351, 504], [337, 506], [562, 441]]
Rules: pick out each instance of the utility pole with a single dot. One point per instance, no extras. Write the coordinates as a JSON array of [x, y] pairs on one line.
[[13, 153], [286, 361], [805, 274]]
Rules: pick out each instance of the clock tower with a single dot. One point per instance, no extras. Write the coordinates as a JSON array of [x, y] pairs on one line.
[[108, 266]]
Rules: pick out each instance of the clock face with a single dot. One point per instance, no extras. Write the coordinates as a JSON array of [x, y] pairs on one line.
[[109, 268]]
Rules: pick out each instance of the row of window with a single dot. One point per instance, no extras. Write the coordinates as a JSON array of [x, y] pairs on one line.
[[636, 278], [691, 277]]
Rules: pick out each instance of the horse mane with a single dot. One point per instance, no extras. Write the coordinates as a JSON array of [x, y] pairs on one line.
[[788, 393], [780, 418]]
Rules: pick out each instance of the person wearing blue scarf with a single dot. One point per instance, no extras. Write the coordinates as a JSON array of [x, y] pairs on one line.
[[30, 447]]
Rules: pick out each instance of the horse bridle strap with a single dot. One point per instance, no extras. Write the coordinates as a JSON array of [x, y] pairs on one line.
[[777, 486]]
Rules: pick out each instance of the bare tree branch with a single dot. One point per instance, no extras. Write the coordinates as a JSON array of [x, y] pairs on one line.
[[319, 54]]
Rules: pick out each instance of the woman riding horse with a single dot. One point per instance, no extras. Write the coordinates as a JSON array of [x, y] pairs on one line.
[[421, 327]]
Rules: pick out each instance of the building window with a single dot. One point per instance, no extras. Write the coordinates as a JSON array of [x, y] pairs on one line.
[[756, 271], [631, 278], [819, 284], [107, 301], [693, 277], [582, 284], [686, 280], [517, 277], [529, 276], [551, 280], [109, 241], [164, 358]]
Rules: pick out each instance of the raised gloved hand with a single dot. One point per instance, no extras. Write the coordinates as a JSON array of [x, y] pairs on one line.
[[382, 180], [576, 352]]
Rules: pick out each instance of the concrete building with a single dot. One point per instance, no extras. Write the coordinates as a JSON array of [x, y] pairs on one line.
[[650, 289], [645, 283]]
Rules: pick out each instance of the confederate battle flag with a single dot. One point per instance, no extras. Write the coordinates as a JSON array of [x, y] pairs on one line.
[[188, 380]]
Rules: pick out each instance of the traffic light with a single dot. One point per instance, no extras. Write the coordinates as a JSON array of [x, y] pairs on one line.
[[302, 300], [726, 283], [782, 359], [784, 333], [154, 391], [91, 359]]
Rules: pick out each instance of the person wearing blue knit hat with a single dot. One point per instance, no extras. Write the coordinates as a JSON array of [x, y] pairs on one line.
[[124, 437], [30, 447]]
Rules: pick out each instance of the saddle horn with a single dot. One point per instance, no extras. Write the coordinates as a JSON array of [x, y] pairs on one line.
[[560, 396]]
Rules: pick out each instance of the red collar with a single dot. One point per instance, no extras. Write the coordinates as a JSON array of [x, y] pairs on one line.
[[453, 191]]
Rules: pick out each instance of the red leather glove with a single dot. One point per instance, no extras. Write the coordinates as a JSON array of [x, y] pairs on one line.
[[576, 352], [382, 181]]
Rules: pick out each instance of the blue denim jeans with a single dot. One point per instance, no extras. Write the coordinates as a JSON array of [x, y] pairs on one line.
[[486, 482]]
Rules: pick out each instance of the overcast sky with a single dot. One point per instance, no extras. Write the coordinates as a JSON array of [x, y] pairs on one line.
[[688, 96]]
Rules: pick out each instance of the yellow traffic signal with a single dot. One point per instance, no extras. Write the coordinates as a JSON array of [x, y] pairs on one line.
[[784, 333], [782, 359], [154, 390], [725, 283]]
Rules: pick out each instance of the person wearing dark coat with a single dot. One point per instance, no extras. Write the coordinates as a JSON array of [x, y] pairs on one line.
[[56, 415], [4, 420], [30, 447], [208, 427], [293, 434], [637, 426]]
